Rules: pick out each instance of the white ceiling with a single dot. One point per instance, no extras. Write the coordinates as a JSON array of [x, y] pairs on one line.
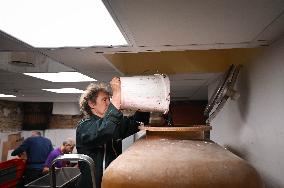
[[160, 25]]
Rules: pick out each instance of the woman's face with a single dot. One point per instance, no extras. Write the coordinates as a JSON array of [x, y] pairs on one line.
[[102, 103], [68, 148]]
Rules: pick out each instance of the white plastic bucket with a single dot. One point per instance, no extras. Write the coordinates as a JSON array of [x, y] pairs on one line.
[[146, 93]]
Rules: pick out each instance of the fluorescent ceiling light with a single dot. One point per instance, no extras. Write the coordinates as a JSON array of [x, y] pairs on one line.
[[65, 90], [62, 77], [3, 95], [63, 23]]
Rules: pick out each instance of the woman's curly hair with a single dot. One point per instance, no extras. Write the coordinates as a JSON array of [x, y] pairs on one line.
[[91, 94]]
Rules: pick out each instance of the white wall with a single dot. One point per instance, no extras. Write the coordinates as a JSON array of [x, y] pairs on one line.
[[253, 125], [57, 136], [66, 108]]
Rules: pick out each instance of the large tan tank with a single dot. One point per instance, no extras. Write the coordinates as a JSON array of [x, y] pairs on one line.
[[179, 159]]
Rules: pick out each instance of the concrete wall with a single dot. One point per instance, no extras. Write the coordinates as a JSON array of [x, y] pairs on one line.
[[253, 125], [11, 116], [64, 121]]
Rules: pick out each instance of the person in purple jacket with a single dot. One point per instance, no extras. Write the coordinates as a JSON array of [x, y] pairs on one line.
[[67, 147]]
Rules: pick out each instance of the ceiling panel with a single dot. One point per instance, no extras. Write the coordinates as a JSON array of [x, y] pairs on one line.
[[193, 41], [178, 62], [87, 61], [27, 88], [184, 22], [9, 43]]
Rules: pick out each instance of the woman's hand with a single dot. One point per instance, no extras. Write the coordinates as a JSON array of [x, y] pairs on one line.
[[116, 92], [45, 170]]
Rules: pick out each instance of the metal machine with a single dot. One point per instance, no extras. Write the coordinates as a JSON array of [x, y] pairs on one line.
[[66, 176]]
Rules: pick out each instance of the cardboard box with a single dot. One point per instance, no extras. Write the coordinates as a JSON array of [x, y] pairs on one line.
[[14, 137], [14, 141], [5, 149], [17, 143]]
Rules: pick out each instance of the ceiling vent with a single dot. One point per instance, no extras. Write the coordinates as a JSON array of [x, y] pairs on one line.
[[21, 64]]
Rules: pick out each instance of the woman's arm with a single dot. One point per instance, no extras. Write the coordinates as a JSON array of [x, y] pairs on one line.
[[130, 124]]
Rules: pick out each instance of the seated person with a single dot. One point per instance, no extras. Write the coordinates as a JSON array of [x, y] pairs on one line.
[[67, 147]]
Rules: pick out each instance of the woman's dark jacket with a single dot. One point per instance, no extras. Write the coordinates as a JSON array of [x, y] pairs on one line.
[[97, 136]]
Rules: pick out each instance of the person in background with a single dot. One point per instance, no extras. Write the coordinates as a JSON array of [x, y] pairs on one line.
[[66, 147], [99, 134], [37, 149]]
